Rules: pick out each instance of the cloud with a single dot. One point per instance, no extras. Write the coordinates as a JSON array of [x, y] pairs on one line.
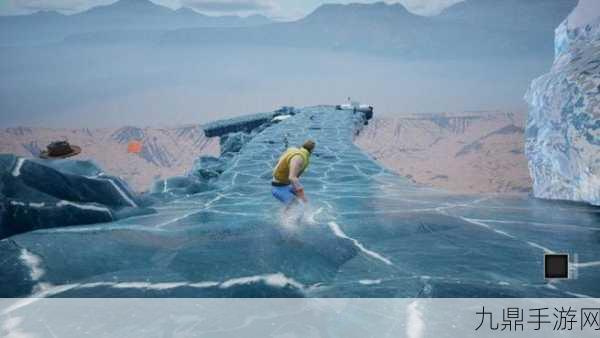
[[50, 5], [281, 8], [428, 7], [229, 6]]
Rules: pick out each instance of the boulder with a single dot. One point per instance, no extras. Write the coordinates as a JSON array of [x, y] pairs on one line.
[[27, 216], [86, 168], [246, 123], [43, 179], [208, 167], [38, 194], [233, 143]]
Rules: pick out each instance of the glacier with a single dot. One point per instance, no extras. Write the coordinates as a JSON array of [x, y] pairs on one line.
[[366, 232], [563, 127]]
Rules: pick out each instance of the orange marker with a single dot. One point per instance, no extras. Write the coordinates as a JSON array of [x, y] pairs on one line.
[[134, 147]]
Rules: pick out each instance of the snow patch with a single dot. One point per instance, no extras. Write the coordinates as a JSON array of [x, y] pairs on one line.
[[17, 170], [476, 222], [33, 262], [586, 264], [338, 232], [166, 286], [83, 206], [149, 286], [204, 285], [487, 226], [535, 245], [95, 285], [370, 281], [122, 193], [277, 280], [281, 118], [31, 204], [132, 285]]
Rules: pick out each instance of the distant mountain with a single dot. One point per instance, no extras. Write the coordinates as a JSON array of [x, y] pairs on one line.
[[514, 14], [358, 13], [144, 14], [378, 27], [123, 15], [470, 152], [521, 27], [473, 28]]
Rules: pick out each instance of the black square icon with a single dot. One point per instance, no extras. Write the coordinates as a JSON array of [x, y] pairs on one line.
[[556, 266]]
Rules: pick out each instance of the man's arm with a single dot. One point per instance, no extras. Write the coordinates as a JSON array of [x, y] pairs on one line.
[[296, 164]]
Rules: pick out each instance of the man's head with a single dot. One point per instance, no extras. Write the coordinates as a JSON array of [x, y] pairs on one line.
[[309, 145]]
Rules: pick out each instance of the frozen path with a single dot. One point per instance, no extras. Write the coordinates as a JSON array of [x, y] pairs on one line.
[[366, 233]]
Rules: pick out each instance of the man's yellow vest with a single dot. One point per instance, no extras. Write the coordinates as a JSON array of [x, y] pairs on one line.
[[281, 173]]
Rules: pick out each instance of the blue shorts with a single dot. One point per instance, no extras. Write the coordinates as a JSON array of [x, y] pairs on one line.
[[285, 193]]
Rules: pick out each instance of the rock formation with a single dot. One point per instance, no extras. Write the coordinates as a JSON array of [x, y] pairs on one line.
[[37, 194], [473, 152]]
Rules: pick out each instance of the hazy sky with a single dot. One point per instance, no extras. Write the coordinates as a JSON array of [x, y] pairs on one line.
[[289, 9]]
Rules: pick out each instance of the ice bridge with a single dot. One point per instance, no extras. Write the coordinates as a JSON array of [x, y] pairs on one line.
[[365, 233]]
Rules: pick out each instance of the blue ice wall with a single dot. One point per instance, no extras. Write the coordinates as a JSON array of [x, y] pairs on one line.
[[365, 233], [563, 127]]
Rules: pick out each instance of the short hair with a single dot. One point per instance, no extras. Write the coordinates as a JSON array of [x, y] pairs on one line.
[[309, 145]]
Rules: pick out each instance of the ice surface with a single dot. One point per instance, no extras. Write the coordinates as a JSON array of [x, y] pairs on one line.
[[366, 232]]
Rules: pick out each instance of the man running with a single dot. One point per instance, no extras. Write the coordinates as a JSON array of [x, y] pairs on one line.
[[286, 174]]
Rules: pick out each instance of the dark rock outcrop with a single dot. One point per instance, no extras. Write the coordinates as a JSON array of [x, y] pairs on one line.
[[233, 143], [208, 167], [238, 124], [40, 194], [248, 123]]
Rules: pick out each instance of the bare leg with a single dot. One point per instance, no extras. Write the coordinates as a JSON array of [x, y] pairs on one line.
[[290, 205], [293, 213]]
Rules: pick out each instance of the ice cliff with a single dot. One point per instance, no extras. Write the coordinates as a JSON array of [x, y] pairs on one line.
[[563, 127]]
